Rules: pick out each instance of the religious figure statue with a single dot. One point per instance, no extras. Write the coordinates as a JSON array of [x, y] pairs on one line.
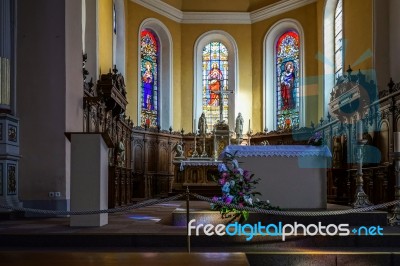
[[287, 86], [215, 78], [202, 126], [147, 79], [179, 151], [239, 126], [121, 152]]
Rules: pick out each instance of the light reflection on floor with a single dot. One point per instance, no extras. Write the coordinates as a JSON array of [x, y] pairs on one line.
[[169, 204], [141, 217]]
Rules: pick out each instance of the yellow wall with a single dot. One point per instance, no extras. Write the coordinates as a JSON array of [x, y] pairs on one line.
[[241, 34], [358, 33], [306, 16], [105, 40], [136, 15], [358, 30]]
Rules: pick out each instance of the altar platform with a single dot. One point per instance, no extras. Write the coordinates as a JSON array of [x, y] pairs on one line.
[[291, 176], [203, 214], [139, 237]]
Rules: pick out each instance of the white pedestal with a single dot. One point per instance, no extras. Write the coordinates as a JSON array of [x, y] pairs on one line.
[[89, 178], [292, 176]]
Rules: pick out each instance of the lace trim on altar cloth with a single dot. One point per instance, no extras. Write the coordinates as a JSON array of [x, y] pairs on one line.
[[198, 163], [277, 150]]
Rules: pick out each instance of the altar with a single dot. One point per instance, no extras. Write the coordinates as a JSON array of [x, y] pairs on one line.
[[195, 173], [292, 176]]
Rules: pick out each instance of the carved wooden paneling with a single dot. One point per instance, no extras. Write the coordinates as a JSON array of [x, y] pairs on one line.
[[138, 156], [103, 110], [152, 154], [383, 141], [163, 157]]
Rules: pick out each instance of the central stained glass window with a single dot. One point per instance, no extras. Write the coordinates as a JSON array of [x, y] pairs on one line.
[[214, 80]]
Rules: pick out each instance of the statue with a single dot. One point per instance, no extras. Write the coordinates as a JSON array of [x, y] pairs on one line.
[[179, 151], [239, 126], [202, 126], [121, 152]]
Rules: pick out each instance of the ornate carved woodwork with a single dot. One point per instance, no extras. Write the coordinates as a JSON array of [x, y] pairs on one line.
[[103, 109], [355, 98]]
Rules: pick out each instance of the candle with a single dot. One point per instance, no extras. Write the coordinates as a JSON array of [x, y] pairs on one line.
[[249, 125], [359, 130], [396, 141], [194, 126]]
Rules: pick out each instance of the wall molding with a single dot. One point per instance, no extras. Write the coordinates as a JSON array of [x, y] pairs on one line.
[[216, 18], [161, 8], [177, 15], [278, 8]]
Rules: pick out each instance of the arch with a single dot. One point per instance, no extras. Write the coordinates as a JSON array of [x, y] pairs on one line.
[[228, 41], [165, 71], [383, 135], [269, 66]]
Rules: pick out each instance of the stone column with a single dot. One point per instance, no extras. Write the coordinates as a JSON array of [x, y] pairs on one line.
[[5, 53], [9, 124]]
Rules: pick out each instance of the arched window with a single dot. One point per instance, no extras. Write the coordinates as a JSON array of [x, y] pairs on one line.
[[333, 47], [283, 102], [215, 79], [155, 47], [215, 68], [338, 39], [287, 76], [149, 50]]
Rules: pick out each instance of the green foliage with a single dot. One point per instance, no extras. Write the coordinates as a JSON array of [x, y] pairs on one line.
[[237, 187]]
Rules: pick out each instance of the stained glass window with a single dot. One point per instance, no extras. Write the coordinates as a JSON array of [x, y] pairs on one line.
[[149, 51], [287, 76], [215, 79], [339, 38]]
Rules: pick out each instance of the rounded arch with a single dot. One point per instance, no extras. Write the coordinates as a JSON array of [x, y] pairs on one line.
[[165, 70], [383, 139], [269, 66], [119, 39], [230, 43]]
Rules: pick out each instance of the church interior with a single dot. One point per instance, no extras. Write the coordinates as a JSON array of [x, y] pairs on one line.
[[145, 96]]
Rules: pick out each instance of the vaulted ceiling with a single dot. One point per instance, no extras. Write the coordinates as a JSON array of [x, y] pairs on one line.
[[220, 5]]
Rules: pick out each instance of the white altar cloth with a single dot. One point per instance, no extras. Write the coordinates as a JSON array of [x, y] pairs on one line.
[[292, 176], [197, 163]]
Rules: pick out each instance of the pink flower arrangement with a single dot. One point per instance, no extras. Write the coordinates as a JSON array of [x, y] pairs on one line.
[[237, 187]]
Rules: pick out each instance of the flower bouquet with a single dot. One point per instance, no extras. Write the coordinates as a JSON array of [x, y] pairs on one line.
[[237, 187], [316, 139]]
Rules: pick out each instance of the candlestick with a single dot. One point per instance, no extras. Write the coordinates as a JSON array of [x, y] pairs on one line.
[[359, 130], [396, 141]]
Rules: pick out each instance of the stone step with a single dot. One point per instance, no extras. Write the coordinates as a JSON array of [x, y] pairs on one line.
[[203, 243]]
